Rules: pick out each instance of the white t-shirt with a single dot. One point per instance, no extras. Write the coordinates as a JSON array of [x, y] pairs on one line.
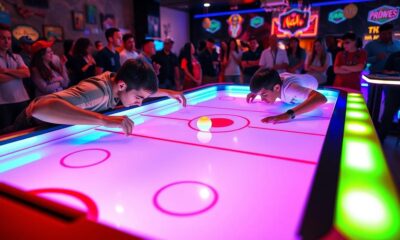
[[321, 77], [297, 87], [125, 55], [12, 91], [268, 58], [233, 68]]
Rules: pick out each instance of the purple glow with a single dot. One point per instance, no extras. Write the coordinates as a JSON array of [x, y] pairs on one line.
[[178, 198]]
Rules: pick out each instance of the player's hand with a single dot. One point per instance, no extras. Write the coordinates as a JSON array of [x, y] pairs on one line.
[[122, 122], [250, 97], [178, 96], [275, 119]]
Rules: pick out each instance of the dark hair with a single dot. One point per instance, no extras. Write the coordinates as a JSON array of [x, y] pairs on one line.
[[146, 41], [202, 45], [4, 27], [137, 74], [322, 58], [110, 32], [67, 45], [264, 78], [97, 43], [229, 47], [385, 27], [127, 36], [44, 71], [350, 35], [187, 54], [211, 40], [81, 47], [298, 49]]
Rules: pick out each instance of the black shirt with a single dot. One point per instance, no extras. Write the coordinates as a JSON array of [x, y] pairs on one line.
[[77, 63], [168, 62], [393, 62], [251, 56], [107, 60], [206, 60]]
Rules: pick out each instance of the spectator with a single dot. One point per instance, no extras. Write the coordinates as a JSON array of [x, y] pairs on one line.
[[349, 63], [333, 49], [83, 64], [169, 66], [49, 76], [296, 56], [148, 51], [190, 66], [108, 58], [274, 57], [25, 44], [13, 96], [250, 60], [209, 62], [231, 63], [318, 61], [129, 51], [380, 49], [392, 96]]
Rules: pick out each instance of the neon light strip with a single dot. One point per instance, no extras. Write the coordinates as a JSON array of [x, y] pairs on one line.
[[381, 81], [367, 202], [258, 10]]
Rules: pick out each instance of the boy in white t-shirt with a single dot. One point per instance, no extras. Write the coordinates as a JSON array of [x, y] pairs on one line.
[[290, 88]]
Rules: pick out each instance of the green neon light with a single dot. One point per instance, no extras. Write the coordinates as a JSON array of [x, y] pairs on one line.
[[368, 206]]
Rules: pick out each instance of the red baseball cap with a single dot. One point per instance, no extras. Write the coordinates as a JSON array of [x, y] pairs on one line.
[[38, 45]]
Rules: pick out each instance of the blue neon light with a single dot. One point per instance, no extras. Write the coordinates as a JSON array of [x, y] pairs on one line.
[[258, 10], [15, 163]]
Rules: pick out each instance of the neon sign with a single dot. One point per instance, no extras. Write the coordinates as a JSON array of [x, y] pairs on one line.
[[336, 16], [373, 33], [235, 25], [383, 14], [294, 20], [294, 23], [256, 22], [214, 27]]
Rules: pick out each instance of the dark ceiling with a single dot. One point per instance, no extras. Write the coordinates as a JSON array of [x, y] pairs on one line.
[[188, 5]]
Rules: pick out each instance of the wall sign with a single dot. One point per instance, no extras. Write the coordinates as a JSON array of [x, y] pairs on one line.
[[235, 25], [383, 14], [373, 33], [350, 11], [294, 23], [256, 22], [25, 30], [214, 27], [336, 16]]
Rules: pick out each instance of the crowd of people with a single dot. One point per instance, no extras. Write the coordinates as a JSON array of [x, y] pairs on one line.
[[36, 71]]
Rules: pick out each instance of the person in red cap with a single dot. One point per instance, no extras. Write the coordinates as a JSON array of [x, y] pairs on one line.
[[13, 96], [48, 75]]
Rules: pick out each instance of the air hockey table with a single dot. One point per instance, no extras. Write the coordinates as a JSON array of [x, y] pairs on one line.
[[322, 174]]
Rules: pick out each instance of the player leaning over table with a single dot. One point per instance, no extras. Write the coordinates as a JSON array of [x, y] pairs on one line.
[[134, 81], [290, 88]]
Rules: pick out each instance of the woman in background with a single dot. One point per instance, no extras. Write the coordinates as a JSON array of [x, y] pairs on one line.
[[190, 66], [48, 75], [83, 64], [318, 61]]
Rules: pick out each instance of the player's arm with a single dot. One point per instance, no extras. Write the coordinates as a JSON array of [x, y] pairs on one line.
[[171, 94], [59, 111], [314, 100]]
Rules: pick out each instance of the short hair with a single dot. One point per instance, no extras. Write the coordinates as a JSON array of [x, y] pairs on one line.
[[110, 32], [97, 43], [137, 74], [264, 78], [4, 27], [127, 36], [385, 27], [146, 41], [211, 40], [350, 35]]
